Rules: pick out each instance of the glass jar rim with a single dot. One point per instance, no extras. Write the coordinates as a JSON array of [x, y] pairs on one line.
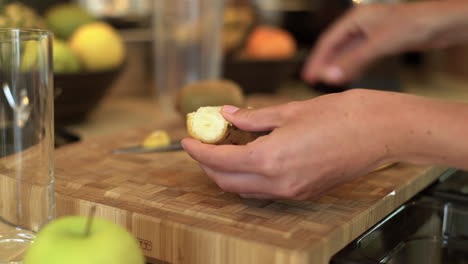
[[25, 33]]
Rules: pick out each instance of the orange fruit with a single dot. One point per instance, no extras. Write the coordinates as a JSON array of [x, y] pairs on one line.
[[267, 42]]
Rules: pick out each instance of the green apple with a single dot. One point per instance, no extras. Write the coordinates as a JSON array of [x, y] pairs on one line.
[[65, 61], [65, 240], [30, 55], [64, 18]]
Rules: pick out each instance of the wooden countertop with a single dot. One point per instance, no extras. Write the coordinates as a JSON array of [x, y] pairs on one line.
[[120, 113]]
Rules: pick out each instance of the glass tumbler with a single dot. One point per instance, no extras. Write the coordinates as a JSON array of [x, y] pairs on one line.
[[26, 139], [187, 45]]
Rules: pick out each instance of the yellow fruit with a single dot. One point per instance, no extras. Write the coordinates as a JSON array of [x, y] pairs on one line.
[[99, 46], [208, 125], [19, 15], [238, 21], [158, 138]]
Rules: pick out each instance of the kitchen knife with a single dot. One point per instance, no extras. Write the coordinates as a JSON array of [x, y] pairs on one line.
[[385, 166], [174, 146]]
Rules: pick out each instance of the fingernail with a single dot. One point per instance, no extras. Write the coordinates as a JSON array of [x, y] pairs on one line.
[[182, 144], [334, 73], [230, 109]]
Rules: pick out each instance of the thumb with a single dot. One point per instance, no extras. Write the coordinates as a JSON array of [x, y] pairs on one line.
[[253, 120]]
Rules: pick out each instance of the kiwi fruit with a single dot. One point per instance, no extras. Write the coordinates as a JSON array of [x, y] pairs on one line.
[[209, 93]]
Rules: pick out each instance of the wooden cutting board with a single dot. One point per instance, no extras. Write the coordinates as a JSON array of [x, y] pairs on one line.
[[180, 216]]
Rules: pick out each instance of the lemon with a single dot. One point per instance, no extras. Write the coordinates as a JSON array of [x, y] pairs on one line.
[[158, 138], [98, 46]]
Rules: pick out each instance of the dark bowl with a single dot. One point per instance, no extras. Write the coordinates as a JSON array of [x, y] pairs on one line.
[[78, 94], [262, 76]]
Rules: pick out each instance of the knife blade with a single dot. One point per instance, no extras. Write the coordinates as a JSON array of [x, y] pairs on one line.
[[174, 146]]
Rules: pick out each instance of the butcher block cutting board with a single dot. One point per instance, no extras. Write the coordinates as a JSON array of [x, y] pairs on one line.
[[180, 216]]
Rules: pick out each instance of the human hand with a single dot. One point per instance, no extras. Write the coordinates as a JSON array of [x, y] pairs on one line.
[[368, 32], [314, 145]]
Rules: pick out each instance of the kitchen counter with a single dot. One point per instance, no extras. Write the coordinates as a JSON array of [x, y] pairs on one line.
[[120, 113]]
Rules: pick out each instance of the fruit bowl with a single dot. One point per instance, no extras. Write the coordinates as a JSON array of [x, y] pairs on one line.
[[78, 94], [262, 75]]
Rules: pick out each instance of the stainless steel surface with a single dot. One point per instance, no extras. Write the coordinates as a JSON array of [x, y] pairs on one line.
[[424, 231], [118, 8], [452, 187], [175, 146]]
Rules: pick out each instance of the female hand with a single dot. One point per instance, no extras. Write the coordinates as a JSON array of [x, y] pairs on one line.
[[314, 145], [368, 32], [320, 143]]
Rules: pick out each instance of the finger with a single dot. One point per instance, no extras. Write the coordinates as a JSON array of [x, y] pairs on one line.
[[237, 182], [330, 71], [327, 47], [254, 120], [225, 157], [321, 58], [353, 62], [258, 196]]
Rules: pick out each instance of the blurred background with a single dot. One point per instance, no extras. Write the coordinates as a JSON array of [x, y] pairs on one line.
[[264, 45]]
